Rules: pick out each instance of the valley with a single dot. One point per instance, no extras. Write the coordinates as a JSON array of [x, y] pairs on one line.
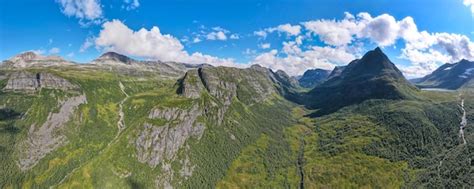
[[124, 123]]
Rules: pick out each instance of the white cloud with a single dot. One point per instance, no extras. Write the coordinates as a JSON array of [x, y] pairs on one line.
[[470, 4], [260, 33], [264, 45], [54, 50], [290, 30], [213, 34], [296, 62], [234, 36], [89, 42], [383, 30], [89, 10], [150, 44], [217, 35], [425, 50], [71, 54], [332, 32], [196, 40], [130, 4]]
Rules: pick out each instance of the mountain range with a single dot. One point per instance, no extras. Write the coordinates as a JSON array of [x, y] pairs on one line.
[[449, 76], [119, 122]]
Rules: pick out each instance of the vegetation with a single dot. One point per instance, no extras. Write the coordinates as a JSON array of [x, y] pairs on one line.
[[257, 142]]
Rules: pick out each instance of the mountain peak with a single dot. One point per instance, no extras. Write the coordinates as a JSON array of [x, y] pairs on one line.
[[374, 76], [26, 56], [373, 64], [28, 59], [114, 57]]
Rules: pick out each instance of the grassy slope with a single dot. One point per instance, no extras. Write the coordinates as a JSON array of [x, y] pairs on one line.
[[377, 143], [93, 157]]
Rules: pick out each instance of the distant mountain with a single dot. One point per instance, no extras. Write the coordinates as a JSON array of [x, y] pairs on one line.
[[374, 76], [336, 71], [113, 57], [449, 76], [313, 77], [31, 59]]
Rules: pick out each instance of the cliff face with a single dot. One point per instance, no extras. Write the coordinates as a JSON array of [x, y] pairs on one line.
[[248, 85], [27, 81], [45, 138]]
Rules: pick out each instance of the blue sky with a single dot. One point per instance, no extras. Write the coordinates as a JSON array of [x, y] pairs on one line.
[[227, 31]]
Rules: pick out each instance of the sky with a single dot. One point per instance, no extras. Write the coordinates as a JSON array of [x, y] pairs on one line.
[[290, 35]]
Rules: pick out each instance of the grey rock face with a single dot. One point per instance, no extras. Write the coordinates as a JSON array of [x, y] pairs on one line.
[[46, 138], [225, 83], [158, 143], [30, 59], [191, 85], [27, 81]]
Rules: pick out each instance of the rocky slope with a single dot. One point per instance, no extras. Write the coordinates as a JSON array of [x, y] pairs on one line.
[[449, 76], [28, 81], [30, 59], [313, 77], [374, 76], [148, 124]]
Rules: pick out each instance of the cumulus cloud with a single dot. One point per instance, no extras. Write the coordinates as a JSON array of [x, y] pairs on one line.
[[88, 11], [150, 44], [425, 50], [213, 34], [290, 30], [295, 61], [216, 35], [130, 4], [470, 4]]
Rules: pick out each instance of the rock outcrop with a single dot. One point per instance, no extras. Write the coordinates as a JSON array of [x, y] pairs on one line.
[[31, 59], [156, 144], [46, 138], [249, 85], [113, 58], [27, 81], [313, 77]]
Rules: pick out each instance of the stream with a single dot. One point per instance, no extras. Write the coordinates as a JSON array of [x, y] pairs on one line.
[[300, 162], [463, 122]]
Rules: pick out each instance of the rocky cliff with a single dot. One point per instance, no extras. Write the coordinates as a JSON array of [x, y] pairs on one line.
[[28, 81]]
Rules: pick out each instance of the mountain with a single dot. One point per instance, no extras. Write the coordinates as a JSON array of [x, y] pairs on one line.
[[337, 71], [313, 77], [31, 59], [154, 124], [113, 57], [449, 76], [373, 76]]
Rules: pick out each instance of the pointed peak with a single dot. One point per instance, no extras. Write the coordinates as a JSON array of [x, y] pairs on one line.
[[378, 49]]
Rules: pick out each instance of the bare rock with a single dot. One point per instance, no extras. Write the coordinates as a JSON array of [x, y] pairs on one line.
[[191, 85], [158, 143], [46, 138], [31, 59], [27, 81]]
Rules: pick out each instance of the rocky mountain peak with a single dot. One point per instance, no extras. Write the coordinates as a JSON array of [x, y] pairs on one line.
[[29, 59], [373, 64], [26, 56], [114, 57], [313, 77]]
